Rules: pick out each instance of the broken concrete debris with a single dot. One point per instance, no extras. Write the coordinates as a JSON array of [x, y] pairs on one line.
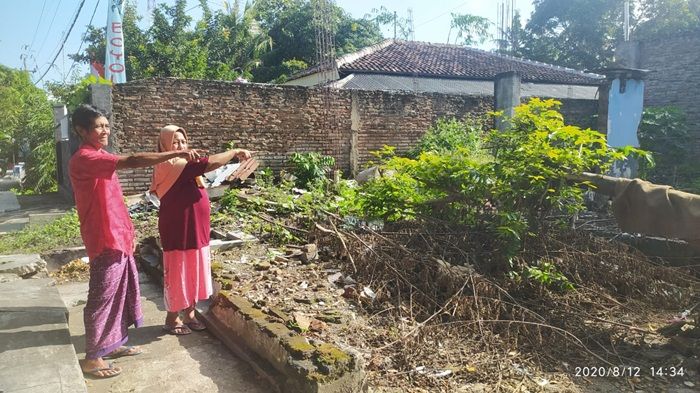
[[23, 265]]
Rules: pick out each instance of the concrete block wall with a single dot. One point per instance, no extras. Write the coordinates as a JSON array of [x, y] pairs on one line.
[[675, 77]]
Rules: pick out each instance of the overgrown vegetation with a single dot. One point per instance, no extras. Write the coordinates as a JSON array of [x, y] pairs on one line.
[[507, 185], [59, 233], [663, 131]]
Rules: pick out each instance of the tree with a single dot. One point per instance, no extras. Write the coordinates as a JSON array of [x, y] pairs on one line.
[[290, 25], [234, 41], [515, 37], [382, 17], [26, 120], [471, 29], [659, 18], [580, 34], [135, 41]]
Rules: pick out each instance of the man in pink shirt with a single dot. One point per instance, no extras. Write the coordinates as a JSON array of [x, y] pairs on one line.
[[113, 302]]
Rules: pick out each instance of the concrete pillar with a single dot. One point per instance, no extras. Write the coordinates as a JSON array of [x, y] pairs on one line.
[[354, 131], [627, 54], [506, 92]]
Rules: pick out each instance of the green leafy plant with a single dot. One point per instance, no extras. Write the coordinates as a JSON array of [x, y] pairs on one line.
[[310, 168], [545, 273], [449, 134], [511, 193]]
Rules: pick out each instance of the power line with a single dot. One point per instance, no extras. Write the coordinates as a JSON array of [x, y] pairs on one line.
[[83, 40], [38, 23], [444, 13], [50, 26], [77, 14]]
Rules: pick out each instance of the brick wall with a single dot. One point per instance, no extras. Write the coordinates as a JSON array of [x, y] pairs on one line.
[[279, 120], [275, 120], [675, 76]]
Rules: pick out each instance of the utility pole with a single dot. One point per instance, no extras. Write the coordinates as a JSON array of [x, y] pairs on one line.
[[394, 24]]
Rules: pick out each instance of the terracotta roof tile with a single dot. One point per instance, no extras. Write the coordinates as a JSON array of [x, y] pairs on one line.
[[451, 61]]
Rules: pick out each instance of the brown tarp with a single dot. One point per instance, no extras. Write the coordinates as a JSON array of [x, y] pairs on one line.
[[650, 209], [643, 207]]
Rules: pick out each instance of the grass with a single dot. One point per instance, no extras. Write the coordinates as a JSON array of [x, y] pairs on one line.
[[60, 233]]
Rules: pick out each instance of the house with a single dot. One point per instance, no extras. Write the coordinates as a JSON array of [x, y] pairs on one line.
[[396, 65]]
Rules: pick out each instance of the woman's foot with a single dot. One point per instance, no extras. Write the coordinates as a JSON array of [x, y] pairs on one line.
[[191, 320], [98, 368], [173, 325]]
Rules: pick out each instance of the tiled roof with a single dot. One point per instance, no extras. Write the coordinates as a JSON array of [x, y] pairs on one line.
[[452, 61]]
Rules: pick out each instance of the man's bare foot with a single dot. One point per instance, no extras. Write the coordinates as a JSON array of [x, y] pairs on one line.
[[98, 368]]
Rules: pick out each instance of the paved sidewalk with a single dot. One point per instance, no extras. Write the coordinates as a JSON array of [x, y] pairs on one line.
[[195, 363], [36, 355]]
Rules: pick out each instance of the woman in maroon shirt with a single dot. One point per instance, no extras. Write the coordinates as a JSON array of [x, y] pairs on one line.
[[183, 223]]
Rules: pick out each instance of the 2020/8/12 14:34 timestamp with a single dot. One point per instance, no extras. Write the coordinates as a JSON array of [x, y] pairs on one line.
[[628, 371]]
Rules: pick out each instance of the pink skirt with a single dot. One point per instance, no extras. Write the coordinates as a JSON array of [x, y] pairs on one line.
[[187, 278]]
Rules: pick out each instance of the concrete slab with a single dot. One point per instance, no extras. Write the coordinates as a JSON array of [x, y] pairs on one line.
[[194, 363], [32, 294], [8, 201], [35, 347], [22, 264]]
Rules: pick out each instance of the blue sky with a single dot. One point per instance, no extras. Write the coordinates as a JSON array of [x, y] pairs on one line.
[[32, 30]]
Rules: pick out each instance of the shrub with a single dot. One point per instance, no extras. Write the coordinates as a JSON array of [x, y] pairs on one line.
[[310, 168]]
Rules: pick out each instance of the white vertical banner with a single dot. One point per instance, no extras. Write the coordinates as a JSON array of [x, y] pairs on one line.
[[115, 64]]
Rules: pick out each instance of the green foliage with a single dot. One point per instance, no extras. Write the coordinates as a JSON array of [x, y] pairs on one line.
[[510, 194], [449, 134], [544, 273], [663, 132], [471, 29], [536, 154], [59, 233], [265, 213], [41, 174], [663, 18], [75, 94], [582, 34], [26, 119], [310, 168], [264, 40]]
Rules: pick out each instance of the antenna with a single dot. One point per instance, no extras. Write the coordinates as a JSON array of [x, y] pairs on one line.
[[411, 27], [505, 10], [627, 21]]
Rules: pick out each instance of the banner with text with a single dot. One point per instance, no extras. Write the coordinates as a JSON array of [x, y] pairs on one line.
[[115, 64]]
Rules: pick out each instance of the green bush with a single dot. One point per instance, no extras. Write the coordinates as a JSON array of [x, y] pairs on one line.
[[310, 168], [510, 193], [449, 134]]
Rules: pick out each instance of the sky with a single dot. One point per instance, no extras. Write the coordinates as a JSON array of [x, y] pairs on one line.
[[33, 31]]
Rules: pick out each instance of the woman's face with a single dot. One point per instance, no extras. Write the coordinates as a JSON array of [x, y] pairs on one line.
[[179, 141]]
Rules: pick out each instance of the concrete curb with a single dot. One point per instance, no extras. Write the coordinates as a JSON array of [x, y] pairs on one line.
[[285, 358]]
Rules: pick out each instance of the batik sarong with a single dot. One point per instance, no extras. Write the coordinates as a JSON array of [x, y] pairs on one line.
[[113, 303]]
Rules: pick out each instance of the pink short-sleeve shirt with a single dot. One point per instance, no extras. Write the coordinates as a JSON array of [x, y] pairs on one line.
[[104, 219]]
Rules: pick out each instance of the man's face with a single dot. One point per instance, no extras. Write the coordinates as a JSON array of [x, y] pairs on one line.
[[98, 134]]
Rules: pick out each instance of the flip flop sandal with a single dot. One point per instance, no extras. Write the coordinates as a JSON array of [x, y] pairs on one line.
[[197, 326], [177, 330], [128, 350], [95, 372]]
